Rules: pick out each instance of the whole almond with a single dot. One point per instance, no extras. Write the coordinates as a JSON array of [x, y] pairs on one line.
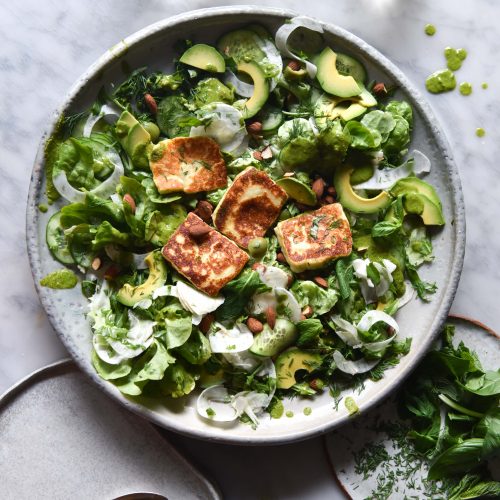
[[307, 311], [321, 281], [206, 323], [331, 190], [318, 186], [271, 317], [290, 281], [96, 264], [267, 153], [280, 258], [257, 265], [329, 199], [302, 317], [254, 128], [379, 89], [204, 210], [151, 103], [294, 65], [257, 155], [127, 198], [197, 231], [254, 325]]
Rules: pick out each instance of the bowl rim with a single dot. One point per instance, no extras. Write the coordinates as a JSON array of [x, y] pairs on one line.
[[350, 39]]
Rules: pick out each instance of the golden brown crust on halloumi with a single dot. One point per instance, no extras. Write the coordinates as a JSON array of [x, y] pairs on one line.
[[249, 207], [312, 239], [208, 262], [189, 164]]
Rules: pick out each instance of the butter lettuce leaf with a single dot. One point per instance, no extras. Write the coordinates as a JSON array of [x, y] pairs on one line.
[[308, 293]]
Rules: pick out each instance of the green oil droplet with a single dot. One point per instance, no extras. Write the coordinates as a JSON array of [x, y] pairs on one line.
[[307, 410], [480, 132], [465, 88], [43, 208], [441, 81], [430, 29], [289, 414], [484, 85], [454, 57]]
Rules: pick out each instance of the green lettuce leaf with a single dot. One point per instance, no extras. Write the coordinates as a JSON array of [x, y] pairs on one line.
[[362, 137], [178, 323], [238, 292], [309, 331], [401, 108], [308, 293], [197, 348], [379, 121], [160, 225]]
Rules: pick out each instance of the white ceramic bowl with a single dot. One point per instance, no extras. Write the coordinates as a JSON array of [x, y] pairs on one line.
[[152, 46]]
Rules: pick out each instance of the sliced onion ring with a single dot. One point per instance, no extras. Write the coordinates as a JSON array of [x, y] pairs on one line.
[[104, 190], [284, 33], [353, 367], [387, 177], [105, 112]]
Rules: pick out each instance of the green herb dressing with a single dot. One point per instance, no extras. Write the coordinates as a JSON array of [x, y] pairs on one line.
[[430, 29], [441, 81], [480, 132], [465, 88], [484, 85], [60, 279], [289, 414], [43, 208], [307, 411], [454, 57]]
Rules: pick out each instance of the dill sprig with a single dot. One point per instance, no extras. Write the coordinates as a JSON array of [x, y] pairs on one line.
[[69, 122]]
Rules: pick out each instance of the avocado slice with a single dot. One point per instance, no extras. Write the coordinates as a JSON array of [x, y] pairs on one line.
[[298, 191], [331, 80], [129, 295], [135, 139], [294, 74], [416, 185], [289, 362], [252, 106], [271, 341], [352, 111], [365, 99], [139, 146], [204, 57], [419, 204], [349, 199]]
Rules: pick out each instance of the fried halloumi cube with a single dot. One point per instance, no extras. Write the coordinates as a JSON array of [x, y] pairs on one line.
[[205, 257], [312, 239], [189, 164], [249, 207]]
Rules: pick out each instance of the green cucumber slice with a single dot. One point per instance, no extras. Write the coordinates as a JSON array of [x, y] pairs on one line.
[[348, 66], [56, 240], [271, 119], [270, 342]]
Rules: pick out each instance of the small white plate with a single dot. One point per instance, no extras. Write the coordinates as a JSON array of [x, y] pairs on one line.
[[344, 445]]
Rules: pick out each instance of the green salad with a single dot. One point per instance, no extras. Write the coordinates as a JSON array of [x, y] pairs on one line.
[[248, 223]]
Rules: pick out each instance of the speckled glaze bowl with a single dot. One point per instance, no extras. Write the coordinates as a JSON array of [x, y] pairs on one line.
[[152, 46]]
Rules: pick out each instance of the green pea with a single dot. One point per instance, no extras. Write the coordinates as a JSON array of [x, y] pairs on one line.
[[153, 130], [257, 247]]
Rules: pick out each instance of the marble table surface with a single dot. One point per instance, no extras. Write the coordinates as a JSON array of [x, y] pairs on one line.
[[45, 46]]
